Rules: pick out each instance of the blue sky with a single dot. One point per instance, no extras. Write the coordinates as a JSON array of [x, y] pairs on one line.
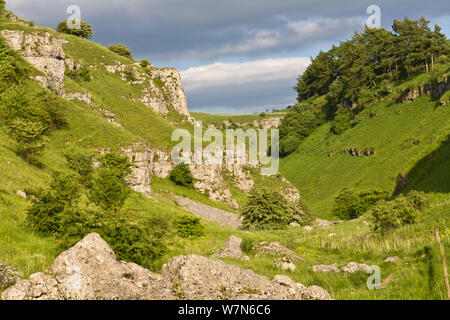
[[235, 56]]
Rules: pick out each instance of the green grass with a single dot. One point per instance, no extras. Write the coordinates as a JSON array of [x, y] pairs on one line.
[[241, 120], [320, 177]]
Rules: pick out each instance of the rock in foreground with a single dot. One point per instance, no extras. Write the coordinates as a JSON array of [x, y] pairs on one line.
[[90, 271]]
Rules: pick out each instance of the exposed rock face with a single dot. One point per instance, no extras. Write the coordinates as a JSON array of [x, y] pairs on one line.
[[276, 249], [269, 123], [142, 160], [325, 268], [224, 218], [44, 51], [231, 249], [354, 267], [199, 278], [431, 89], [8, 276], [164, 90], [90, 271]]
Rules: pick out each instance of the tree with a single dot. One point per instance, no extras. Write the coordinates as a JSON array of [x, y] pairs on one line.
[[181, 175], [109, 187], [85, 31], [30, 138], [267, 209], [2, 5], [108, 191], [121, 50]]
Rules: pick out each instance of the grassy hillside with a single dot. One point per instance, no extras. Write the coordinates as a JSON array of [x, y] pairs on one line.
[[404, 136]]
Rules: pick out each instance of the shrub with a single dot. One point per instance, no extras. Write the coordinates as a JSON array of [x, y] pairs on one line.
[[18, 102], [108, 191], [109, 188], [82, 164], [121, 50], [268, 209], [341, 122], [389, 215], [30, 138], [418, 200], [350, 204], [181, 175], [119, 165], [61, 211], [129, 74], [189, 227], [49, 205], [247, 245], [144, 63], [85, 31], [81, 74], [290, 143], [140, 241]]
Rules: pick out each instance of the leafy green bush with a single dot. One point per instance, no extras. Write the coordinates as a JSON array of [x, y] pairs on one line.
[[350, 204], [85, 31], [341, 122], [121, 50], [18, 102], [247, 245], [386, 216], [181, 175], [290, 143], [63, 211], [418, 200], [81, 163], [268, 209], [140, 241], [109, 188], [83, 74], [49, 205], [144, 63], [189, 227], [108, 191], [30, 138]]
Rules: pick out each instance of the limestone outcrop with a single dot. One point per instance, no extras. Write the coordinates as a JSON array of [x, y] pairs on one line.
[[165, 90], [44, 51], [90, 271], [231, 249], [275, 249], [8, 276]]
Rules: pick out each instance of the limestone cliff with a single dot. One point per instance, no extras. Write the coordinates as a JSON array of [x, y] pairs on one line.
[[44, 51], [162, 91]]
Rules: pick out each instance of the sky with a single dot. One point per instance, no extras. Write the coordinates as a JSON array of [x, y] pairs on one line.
[[235, 56]]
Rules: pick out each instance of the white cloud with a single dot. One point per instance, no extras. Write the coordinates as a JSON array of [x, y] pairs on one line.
[[222, 74]]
